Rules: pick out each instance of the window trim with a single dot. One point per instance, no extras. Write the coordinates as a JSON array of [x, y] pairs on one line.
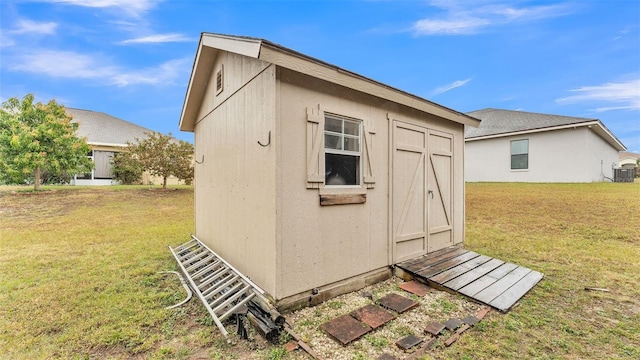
[[315, 165], [358, 154]]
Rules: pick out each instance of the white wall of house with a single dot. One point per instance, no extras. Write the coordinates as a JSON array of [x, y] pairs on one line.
[[601, 158], [568, 155]]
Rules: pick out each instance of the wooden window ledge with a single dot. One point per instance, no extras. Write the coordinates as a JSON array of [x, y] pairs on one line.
[[342, 199]]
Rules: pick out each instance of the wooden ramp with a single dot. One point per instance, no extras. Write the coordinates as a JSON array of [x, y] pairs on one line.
[[490, 281]]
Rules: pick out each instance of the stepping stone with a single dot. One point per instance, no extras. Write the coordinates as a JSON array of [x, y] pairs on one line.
[[453, 324], [422, 350], [386, 356], [456, 336], [345, 329], [483, 312], [291, 345], [435, 328], [372, 315], [415, 287], [451, 340], [471, 320], [408, 342], [397, 303], [464, 328]]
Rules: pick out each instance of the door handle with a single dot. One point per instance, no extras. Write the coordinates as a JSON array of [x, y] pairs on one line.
[[430, 192]]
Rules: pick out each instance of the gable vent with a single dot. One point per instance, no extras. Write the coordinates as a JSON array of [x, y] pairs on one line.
[[220, 80]]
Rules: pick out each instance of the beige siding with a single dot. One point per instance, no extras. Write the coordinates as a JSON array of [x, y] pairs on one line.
[[319, 245], [238, 71], [444, 157], [235, 202]]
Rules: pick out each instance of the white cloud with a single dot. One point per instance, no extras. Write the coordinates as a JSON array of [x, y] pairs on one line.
[[453, 85], [465, 19], [133, 7], [157, 38], [25, 26], [165, 73], [6, 41], [626, 95], [458, 26], [71, 65]]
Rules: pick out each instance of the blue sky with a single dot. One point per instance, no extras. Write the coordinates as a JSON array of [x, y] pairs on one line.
[[132, 58]]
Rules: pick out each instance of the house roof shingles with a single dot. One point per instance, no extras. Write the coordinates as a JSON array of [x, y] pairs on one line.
[[104, 129], [498, 123]]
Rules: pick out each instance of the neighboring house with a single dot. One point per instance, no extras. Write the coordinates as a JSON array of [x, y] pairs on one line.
[[313, 180], [628, 160], [107, 135], [518, 146]]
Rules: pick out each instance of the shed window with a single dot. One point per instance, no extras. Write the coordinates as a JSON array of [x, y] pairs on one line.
[[519, 154], [342, 148]]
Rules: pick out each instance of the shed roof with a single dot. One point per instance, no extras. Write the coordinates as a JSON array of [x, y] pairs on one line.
[[499, 123], [281, 56], [103, 129]]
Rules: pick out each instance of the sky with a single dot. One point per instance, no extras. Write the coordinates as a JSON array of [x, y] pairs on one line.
[[132, 58]]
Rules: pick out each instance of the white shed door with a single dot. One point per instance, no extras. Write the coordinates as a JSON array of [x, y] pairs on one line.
[[422, 199]]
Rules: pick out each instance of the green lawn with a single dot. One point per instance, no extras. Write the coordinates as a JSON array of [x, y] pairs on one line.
[[79, 274], [578, 235]]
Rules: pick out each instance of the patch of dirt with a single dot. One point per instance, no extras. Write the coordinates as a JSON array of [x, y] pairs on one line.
[[436, 306], [23, 205]]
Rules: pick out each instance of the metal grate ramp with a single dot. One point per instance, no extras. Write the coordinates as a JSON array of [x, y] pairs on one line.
[[221, 288]]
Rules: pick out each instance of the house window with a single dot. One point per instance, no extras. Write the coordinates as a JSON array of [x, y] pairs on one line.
[[342, 151], [520, 154], [103, 164], [89, 175]]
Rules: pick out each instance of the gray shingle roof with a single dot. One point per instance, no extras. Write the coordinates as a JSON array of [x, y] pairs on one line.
[[497, 121], [101, 128]]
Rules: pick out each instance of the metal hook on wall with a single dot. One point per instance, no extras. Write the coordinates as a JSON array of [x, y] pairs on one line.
[[268, 141], [199, 162]]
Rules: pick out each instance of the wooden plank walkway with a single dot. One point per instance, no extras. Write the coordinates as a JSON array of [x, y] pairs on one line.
[[490, 281]]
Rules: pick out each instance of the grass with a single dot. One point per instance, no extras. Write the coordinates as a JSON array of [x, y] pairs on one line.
[[79, 275], [80, 272], [578, 235]]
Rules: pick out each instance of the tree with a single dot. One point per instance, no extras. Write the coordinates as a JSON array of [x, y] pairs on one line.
[[162, 155], [127, 169], [38, 138]]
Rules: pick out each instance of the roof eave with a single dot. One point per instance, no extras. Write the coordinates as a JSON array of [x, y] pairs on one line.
[[208, 48], [595, 125], [280, 56], [96, 143], [608, 136], [299, 62]]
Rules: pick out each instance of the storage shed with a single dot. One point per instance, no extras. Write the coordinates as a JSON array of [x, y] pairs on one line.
[[313, 180]]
